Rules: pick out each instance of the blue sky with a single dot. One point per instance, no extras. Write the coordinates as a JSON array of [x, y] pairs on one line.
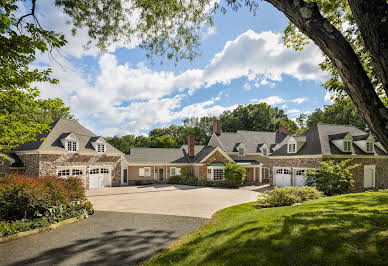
[[243, 61]]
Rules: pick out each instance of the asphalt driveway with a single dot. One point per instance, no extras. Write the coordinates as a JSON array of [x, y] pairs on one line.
[[106, 238], [167, 199]]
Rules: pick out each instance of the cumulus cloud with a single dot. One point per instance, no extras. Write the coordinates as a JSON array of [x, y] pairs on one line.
[[275, 100]]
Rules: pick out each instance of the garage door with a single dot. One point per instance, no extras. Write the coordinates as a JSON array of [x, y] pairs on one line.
[[282, 177], [300, 177], [99, 177]]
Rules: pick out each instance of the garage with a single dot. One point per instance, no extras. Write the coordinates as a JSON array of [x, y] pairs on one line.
[[99, 177], [300, 177], [282, 177]]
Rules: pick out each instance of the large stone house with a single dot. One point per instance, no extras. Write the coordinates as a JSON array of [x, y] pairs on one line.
[[277, 158], [69, 149]]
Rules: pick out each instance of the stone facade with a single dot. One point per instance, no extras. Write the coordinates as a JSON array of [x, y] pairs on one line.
[[216, 157], [31, 164], [5, 167]]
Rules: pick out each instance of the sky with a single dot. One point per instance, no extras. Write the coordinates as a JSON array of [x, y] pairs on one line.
[[242, 61]]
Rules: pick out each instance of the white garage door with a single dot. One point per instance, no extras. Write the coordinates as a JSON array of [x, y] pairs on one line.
[[300, 177], [282, 177], [99, 177]]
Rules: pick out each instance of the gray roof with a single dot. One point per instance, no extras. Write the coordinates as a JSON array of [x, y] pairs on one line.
[[162, 155], [252, 140], [61, 129], [318, 141]]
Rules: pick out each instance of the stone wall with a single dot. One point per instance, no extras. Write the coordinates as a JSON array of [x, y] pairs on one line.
[[5, 167], [31, 164], [381, 174], [215, 157]]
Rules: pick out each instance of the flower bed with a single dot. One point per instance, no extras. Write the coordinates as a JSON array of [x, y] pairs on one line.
[[27, 203]]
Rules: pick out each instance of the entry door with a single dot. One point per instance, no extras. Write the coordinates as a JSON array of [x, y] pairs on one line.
[[282, 177], [369, 176], [161, 174], [124, 180]]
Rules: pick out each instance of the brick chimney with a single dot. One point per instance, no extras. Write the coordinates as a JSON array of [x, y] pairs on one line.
[[217, 127], [283, 130], [190, 145]]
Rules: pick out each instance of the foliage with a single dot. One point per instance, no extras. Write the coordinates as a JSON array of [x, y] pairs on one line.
[[332, 178], [234, 174], [341, 230], [28, 198], [342, 112], [287, 196], [192, 181], [22, 114], [14, 227]]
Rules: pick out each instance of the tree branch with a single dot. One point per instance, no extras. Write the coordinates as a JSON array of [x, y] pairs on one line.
[[372, 20], [29, 14], [307, 17]]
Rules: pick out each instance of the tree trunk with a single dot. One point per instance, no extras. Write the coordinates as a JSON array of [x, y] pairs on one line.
[[308, 19], [372, 20]]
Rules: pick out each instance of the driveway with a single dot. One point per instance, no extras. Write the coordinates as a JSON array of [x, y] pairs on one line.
[[166, 199]]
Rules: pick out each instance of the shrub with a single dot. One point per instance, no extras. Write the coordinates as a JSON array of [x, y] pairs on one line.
[[234, 174], [287, 196], [23, 197], [174, 180], [332, 178]]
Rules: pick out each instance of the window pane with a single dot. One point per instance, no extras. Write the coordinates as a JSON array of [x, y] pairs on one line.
[[218, 174]]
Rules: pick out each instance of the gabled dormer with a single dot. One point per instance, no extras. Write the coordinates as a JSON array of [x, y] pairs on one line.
[[343, 141], [70, 142], [294, 144], [365, 142], [241, 149], [99, 144], [264, 150]]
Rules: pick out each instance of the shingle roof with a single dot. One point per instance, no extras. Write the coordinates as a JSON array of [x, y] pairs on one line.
[[60, 129]]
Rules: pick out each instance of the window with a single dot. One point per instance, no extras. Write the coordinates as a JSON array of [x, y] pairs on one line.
[[264, 150], [94, 171], [146, 171], [347, 146], [100, 148], [125, 176], [71, 146], [218, 174], [265, 173], [369, 146], [292, 148], [241, 151], [104, 171], [209, 173], [300, 172], [65, 172], [172, 171], [279, 171], [286, 172], [2, 174], [76, 172]]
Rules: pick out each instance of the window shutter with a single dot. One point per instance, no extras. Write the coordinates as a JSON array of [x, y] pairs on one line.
[[141, 171], [178, 171]]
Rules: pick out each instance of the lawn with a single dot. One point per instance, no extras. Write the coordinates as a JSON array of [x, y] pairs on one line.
[[342, 230]]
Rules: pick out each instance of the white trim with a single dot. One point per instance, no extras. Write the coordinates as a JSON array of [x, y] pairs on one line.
[[212, 168]]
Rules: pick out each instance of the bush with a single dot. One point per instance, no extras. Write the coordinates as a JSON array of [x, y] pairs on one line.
[[287, 196], [174, 180], [234, 174], [22, 197], [332, 178]]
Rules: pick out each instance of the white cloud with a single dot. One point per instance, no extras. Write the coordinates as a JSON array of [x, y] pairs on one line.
[[209, 32], [328, 96], [247, 86], [293, 111], [271, 100], [298, 100]]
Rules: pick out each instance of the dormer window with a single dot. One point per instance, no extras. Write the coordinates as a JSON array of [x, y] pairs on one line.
[[100, 148], [369, 146], [347, 146], [71, 146], [241, 151], [292, 148], [264, 151]]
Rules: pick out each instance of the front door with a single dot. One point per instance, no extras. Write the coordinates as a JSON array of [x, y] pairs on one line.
[[161, 174], [369, 176], [124, 180]]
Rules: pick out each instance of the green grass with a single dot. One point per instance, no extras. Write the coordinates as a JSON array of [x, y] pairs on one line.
[[343, 230]]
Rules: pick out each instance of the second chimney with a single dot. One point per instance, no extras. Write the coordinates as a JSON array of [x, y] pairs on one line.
[[190, 145], [283, 130], [217, 127]]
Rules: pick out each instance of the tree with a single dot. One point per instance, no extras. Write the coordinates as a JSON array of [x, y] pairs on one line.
[[23, 115], [357, 56]]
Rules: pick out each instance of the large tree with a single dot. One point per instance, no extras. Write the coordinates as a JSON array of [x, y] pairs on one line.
[[353, 35]]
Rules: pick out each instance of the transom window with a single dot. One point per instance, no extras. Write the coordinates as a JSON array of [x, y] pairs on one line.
[[265, 173], [65, 172], [76, 172], [241, 151], [369, 146], [292, 148], [347, 146], [71, 146], [94, 171], [101, 148]]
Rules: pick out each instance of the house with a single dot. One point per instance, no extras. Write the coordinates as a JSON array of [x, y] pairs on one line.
[[69, 149], [274, 157]]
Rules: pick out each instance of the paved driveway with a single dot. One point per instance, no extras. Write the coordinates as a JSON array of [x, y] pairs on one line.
[[165, 199]]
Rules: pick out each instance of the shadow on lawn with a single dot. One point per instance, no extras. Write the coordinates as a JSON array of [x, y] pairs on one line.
[[121, 247], [334, 235]]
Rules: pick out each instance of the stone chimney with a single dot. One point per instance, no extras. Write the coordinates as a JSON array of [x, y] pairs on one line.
[[283, 130], [190, 145], [217, 127]]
